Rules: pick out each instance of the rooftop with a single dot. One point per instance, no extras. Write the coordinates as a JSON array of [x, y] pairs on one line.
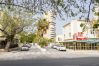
[[73, 21]]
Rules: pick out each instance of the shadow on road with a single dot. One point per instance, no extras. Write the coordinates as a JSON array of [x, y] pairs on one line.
[[85, 61]]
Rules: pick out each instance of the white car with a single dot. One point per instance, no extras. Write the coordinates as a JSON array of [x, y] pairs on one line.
[[61, 48], [55, 46], [24, 49]]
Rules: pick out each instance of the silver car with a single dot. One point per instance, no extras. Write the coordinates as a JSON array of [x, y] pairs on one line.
[[24, 48], [61, 48], [55, 46]]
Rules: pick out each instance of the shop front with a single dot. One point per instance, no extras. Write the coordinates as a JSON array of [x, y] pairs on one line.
[[82, 44]]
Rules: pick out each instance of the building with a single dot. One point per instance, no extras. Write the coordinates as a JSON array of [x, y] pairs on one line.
[[59, 38], [77, 39], [51, 31], [74, 31]]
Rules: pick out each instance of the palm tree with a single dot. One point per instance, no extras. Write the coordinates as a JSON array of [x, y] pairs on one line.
[[42, 27]]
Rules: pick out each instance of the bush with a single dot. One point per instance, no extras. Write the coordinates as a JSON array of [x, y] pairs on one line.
[[43, 42]]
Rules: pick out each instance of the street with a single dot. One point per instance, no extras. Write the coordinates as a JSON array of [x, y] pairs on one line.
[[49, 32], [91, 61], [50, 57]]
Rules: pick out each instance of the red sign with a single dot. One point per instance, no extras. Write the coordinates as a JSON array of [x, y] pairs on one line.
[[79, 36]]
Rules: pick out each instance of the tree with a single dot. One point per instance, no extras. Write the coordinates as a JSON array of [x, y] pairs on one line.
[[50, 40], [43, 42], [42, 26], [57, 6], [11, 25], [23, 37], [27, 38]]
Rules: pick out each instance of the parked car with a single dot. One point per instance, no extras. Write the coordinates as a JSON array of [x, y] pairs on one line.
[[24, 48], [61, 48], [55, 46], [27, 45]]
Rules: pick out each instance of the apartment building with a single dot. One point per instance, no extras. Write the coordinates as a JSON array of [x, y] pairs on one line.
[[51, 31]]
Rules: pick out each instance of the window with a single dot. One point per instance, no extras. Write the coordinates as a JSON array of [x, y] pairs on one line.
[[69, 34], [64, 35], [92, 31]]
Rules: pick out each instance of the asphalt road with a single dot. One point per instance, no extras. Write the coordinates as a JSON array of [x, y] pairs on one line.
[[52, 59], [91, 61]]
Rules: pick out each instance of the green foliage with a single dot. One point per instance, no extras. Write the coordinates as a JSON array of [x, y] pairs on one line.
[[31, 38], [43, 42], [59, 2], [97, 13], [95, 26], [27, 38], [42, 26], [50, 40], [98, 21], [23, 37], [12, 24], [97, 1], [81, 25]]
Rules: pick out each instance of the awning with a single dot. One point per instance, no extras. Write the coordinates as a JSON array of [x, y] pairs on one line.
[[85, 41]]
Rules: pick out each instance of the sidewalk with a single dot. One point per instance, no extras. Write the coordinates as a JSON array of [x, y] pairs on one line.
[[35, 55], [83, 51]]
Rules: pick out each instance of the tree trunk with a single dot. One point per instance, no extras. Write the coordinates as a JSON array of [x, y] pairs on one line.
[[42, 35], [9, 42], [7, 46]]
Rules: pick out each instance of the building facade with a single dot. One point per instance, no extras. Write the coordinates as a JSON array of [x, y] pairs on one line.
[[76, 38], [74, 31], [51, 31], [59, 38]]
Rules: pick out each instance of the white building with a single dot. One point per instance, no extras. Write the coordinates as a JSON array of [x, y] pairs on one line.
[[74, 27], [59, 38], [51, 32]]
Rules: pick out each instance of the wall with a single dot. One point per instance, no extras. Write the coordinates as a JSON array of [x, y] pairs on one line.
[[74, 28]]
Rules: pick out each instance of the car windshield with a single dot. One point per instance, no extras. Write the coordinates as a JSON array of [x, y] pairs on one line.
[[61, 46]]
